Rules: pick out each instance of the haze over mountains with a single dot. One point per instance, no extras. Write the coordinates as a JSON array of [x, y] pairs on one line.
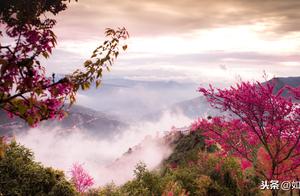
[[85, 135], [121, 102], [133, 99], [199, 107], [94, 123]]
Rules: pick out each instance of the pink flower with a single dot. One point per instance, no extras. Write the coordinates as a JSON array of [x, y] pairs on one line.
[[170, 193], [245, 164]]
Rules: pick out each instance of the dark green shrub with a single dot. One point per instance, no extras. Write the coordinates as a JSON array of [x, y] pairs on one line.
[[145, 183], [21, 175]]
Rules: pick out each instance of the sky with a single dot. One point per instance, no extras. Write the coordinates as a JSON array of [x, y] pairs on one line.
[[199, 40]]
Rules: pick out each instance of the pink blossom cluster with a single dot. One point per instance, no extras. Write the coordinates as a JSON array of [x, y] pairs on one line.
[[262, 129], [25, 89]]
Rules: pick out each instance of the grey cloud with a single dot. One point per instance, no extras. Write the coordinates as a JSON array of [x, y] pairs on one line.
[[153, 17]]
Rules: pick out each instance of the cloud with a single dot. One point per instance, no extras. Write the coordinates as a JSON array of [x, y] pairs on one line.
[[60, 150], [180, 40], [205, 66], [156, 17], [62, 62], [213, 57], [133, 99]]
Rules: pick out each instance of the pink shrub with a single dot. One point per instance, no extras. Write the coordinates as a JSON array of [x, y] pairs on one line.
[[81, 179]]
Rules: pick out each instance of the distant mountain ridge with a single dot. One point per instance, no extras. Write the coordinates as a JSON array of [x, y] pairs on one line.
[[291, 81], [199, 107], [130, 99], [281, 82], [94, 122]]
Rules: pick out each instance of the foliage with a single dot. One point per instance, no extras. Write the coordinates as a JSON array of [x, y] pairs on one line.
[[145, 183], [21, 175], [209, 175], [202, 172], [263, 130], [187, 147], [174, 188], [81, 179], [108, 190], [3, 146], [25, 89]]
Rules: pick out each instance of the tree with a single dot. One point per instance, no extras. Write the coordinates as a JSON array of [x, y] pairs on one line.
[[144, 183], [21, 175], [81, 179], [25, 89], [263, 128]]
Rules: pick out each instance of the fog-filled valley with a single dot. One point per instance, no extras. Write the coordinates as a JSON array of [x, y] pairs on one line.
[[121, 115], [101, 140]]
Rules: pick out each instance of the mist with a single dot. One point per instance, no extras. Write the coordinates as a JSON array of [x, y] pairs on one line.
[[103, 158], [132, 99]]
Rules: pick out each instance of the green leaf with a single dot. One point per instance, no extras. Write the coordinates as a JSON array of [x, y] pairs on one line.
[[116, 54], [87, 63], [22, 109], [30, 120], [98, 62], [124, 47], [45, 54], [98, 82], [85, 86], [3, 62], [99, 73]]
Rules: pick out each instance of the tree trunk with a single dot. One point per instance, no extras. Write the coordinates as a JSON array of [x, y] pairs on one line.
[[275, 192]]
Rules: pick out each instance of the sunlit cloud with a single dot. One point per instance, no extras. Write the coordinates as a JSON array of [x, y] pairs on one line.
[[291, 63], [189, 39]]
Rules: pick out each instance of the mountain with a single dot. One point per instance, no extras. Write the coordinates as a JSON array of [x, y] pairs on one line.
[[92, 122], [281, 82], [177, 141], [131, 99], [192, 108], [199, 107]]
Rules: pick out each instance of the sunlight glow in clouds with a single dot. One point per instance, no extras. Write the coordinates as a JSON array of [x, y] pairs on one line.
[[252, 35], [234, 39]]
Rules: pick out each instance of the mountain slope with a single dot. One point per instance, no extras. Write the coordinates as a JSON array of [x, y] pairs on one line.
[[280, 82]]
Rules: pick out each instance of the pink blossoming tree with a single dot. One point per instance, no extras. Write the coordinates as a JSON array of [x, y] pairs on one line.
[[25, 89], [81, 179], [263, 128]]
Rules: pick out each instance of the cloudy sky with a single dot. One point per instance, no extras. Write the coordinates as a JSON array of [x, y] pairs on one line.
[[186, 40]]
